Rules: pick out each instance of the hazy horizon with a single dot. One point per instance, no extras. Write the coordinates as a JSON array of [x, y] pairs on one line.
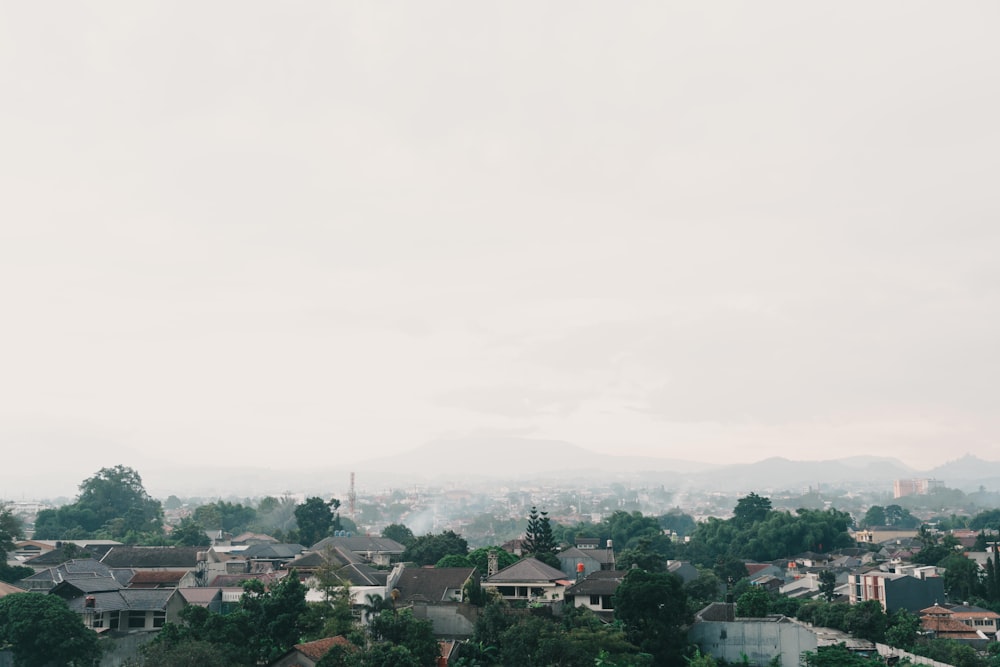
[[316, 234]]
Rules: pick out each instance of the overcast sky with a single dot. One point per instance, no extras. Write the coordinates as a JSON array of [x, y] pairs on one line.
[[282, 232]]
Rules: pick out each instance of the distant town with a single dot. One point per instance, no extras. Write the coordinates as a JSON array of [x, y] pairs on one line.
[[558, 571]]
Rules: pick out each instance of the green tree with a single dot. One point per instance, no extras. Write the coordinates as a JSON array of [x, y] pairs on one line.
[[750, 509], [222, 515], [677, 522], [184, 654], [41, 630], [642, 555], [755, 603], [14, 573], [429, 549], [866, 620], [652, 607], [404, 630], [10, 528], [986, 519], [838, 656], [276, 615], [454, 560], [538, 538], [703, 590], [317, 519], [480, 558], [961, 577], [118, 501], [828, 585], [903, 629], [700, 660], [875, 516], [112, 504], [190, 533], [900, 517], [398, 532]]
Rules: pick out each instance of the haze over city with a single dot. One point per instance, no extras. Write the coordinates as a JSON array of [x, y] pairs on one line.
[[285, 237]]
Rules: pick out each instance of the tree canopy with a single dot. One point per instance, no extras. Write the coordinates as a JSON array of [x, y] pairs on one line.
[[429, 549], [10, 528], [113, 504], [42, 630], [652, 607], [317, 519]]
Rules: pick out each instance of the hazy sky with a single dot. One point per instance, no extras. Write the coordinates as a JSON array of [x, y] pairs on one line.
[[270, 233]]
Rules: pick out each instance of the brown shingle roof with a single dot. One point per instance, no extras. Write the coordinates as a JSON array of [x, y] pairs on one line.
[[319, 648]]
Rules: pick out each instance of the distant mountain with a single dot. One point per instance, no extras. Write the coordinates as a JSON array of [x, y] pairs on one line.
[[509, 460], [969, 468], [777, 474], [510, 457]]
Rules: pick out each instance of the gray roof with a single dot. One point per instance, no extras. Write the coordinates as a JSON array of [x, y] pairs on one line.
[[86, 584], [59, 555], [359, 574], [601, 582], [138, 599], [268, 551], [361, 544], [526, 571], [430, 584], [339, 556], [87, 568], [152, 557]]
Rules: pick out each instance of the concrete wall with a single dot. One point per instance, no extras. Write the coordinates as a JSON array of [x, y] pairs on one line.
[[122, 651], [760, 640], [454, 621]]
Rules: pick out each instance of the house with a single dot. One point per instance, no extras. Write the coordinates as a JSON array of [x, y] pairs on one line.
[[246, 539], [965, 623], [341, 562], [757, 570], [263, 557], [433, 585], [577, 563], [436, 594], [86, 568], [218, 599], [529, 580], [307, 655], [105, 605], [596, 592], [894, 591], [379, 551]]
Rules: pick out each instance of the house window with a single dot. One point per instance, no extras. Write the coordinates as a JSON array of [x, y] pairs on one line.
[[136, 620], [606, 602], [113, 620], [159, 618], [97, 621], [595, 600]]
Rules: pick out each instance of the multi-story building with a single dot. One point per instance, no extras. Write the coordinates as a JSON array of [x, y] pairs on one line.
[[895, 591], [915, 487]]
